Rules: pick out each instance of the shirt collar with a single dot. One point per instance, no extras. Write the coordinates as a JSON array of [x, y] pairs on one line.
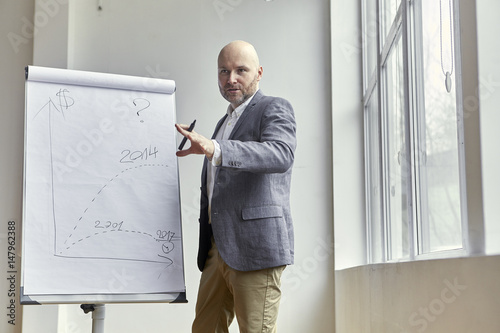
[[240, 108]]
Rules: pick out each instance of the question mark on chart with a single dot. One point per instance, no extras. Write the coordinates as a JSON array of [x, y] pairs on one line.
[[144, 104]]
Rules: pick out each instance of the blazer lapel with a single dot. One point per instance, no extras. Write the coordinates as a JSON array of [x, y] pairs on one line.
[[219, 124]]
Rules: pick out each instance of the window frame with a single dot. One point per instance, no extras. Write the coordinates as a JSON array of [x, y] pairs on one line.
[[402, 24]]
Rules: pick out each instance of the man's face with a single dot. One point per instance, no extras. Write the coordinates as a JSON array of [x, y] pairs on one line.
[[239, 75]]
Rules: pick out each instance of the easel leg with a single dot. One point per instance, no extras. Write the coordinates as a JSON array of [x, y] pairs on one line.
[[98, 314], [98, 318]]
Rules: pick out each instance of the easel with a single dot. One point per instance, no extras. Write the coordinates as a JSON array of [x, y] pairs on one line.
[[98, 313]]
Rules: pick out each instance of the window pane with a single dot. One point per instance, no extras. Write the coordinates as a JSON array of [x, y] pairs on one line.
[[440, 205], [396, 155], [374, 193], [388, 11]]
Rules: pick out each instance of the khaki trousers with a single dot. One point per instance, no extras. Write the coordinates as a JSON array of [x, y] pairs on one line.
[[253, 297]]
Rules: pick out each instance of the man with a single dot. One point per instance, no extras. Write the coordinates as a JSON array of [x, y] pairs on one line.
[[246, 232]]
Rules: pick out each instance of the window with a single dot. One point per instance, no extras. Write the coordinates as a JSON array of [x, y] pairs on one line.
[[413, 134]]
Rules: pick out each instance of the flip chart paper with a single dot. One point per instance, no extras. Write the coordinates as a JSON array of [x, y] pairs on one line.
[[101, 192]]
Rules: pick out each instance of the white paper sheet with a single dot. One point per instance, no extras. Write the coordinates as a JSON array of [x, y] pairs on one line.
[[101, 197]]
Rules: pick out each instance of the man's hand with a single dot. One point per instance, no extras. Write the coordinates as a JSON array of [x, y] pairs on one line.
[[199, 144]]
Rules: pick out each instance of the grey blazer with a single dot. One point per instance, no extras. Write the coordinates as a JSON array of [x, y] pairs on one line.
[[251, 219]]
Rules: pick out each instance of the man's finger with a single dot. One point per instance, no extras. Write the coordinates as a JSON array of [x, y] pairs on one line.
[[181, 128], [182, 153]]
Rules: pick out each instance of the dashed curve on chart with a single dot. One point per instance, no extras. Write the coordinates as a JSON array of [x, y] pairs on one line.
[[97, 195]]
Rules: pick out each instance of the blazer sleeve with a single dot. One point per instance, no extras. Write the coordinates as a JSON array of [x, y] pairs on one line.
[[264, 140]]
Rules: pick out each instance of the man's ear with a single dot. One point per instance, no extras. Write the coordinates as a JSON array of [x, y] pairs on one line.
[[260, 71]]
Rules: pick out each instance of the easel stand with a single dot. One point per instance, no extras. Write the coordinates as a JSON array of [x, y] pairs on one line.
[[98, 313]]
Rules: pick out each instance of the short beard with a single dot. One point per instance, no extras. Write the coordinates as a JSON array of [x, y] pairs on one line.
[[246, 93]]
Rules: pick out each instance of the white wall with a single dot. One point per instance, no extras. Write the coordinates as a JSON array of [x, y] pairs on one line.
[[488, 97], [16, 51], [348, 154], [180, 40], [433, 296]]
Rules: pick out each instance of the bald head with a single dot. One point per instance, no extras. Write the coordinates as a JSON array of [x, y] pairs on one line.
[[239, 72], [240, 49]]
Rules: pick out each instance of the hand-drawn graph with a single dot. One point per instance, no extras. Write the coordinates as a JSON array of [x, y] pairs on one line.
[[102, 183]]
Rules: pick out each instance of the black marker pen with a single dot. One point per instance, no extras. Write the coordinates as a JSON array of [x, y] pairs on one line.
[[183, 142]]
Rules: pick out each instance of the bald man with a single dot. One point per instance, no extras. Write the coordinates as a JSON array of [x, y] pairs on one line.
[[246, 232]]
